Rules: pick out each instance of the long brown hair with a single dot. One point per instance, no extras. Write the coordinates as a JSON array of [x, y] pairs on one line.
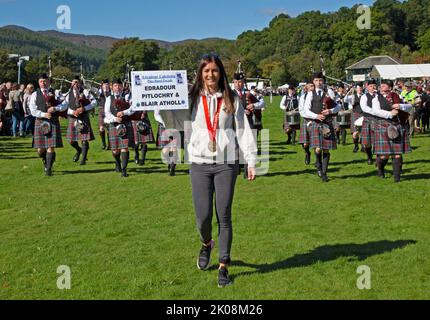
[[223, 84]]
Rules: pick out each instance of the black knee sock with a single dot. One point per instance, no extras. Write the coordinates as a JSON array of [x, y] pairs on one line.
[[85, 148], [50, 159], [307, 150], [117, 158], [124, 157], [75, 145], [369, 153], [136, 153], [294, 136], [397, 165], [43, 157], [325, 163], [144, 151], [103, 137], [318, 161]]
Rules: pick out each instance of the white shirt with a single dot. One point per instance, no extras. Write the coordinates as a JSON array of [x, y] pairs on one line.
[[39, 114], [308, 114], [109, 117], [92, 105]]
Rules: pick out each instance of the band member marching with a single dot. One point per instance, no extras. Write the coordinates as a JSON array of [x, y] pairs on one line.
[[354, 103], [117, 115], [319, 109], [103, 94], [142, 135], [368, 121], [79, 128], [290, 103], [304, 133], [47, 132], [391, 136]]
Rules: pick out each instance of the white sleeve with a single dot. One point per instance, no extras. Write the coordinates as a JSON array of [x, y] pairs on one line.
[[33, 107], [307, 113], [109, 117], [282, 105], [364, 106], [301, 105], [92, 105], [62, 106], [261, 104], [377, 111]]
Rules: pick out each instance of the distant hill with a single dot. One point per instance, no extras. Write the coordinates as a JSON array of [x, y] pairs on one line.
[[23, 41]]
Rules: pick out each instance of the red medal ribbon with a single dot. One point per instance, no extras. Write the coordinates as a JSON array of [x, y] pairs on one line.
[[211, 127]]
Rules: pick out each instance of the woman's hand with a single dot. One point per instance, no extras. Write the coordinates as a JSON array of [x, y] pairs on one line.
[[252, 173]]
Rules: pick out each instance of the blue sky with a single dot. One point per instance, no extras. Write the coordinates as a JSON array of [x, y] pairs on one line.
[[169, 20]]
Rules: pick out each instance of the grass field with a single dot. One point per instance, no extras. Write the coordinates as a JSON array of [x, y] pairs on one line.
[[135, 238]]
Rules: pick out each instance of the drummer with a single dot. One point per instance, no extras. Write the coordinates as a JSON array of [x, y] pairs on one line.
[[290, 103]]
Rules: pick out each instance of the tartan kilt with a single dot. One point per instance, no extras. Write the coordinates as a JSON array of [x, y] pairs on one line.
[[101, 118], [117, 142], [383, 145], [163, 138], [53, 140], [317, 139], [73, 133], [367, 132], [304, 133], [140, 138], [287, 125], [354, 117]]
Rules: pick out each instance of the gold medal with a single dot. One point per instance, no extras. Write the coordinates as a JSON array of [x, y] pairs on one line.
[[212, 146]]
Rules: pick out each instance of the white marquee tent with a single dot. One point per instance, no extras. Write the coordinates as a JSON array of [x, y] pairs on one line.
[[401, 71]]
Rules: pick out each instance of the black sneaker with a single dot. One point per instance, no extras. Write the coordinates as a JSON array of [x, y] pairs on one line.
[[223, 278], [204, 259]]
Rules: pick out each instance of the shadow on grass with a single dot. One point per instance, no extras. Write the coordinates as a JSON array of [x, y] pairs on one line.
[[327, 253], [297, 173], [373, 173], [419, 176]]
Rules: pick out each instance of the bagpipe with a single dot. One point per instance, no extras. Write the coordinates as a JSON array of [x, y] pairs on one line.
[[393, 98]]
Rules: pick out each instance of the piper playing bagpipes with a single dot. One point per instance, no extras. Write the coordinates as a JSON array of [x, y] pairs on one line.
[[79, 129], [117, 115], [319, 110], [47, 131], [390, 129]]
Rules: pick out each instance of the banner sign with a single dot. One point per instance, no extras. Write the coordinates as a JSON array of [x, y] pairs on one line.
[[159, 90]]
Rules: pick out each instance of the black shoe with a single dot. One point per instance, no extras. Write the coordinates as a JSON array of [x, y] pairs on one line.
[[141, 162], [308, 159], [77, 155], [204, 259], [104, 147], [223, 278], [324, 178], [124, 173], [369, 162], [356, 148], [118, 168], [83, 162], [320, 174]]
